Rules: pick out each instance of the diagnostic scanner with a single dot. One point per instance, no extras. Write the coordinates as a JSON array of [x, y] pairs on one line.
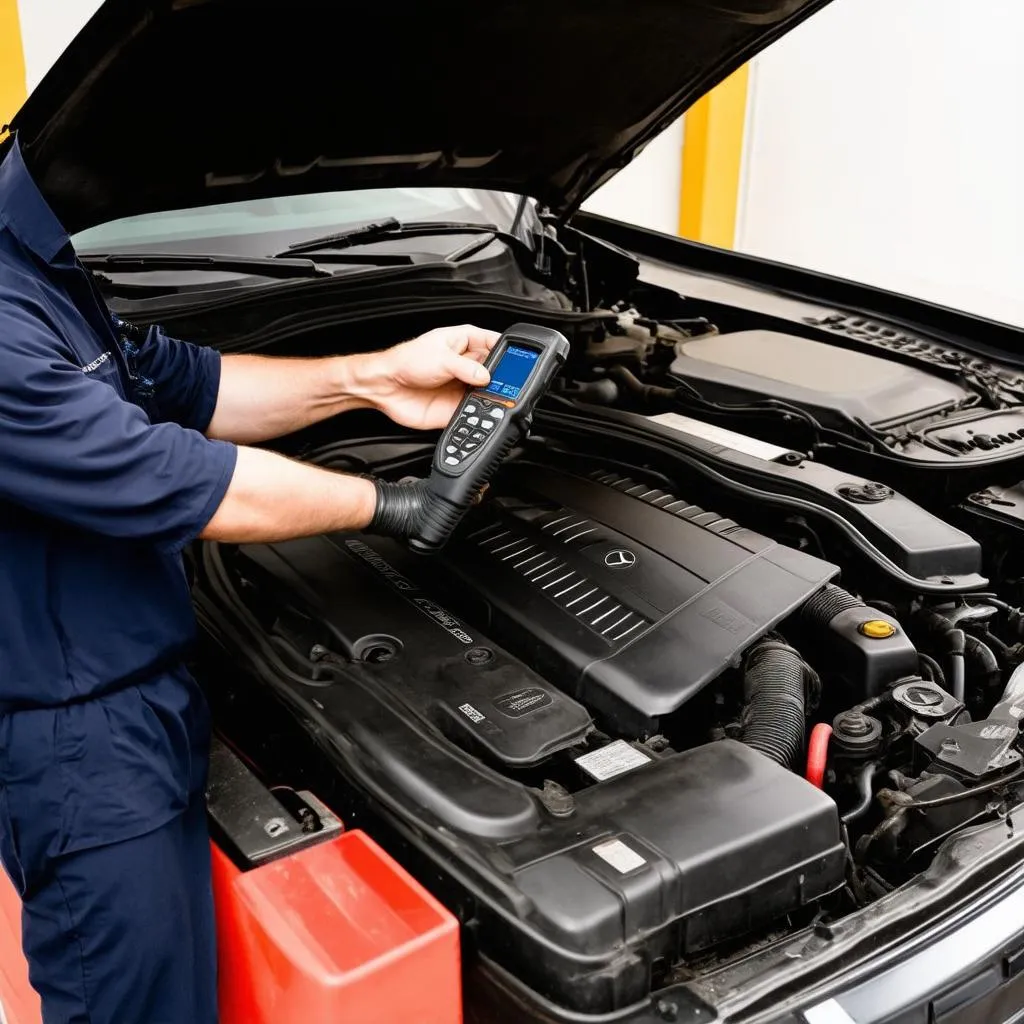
[[487, 424]]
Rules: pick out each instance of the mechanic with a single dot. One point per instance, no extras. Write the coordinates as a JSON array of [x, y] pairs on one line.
[[118, 447]]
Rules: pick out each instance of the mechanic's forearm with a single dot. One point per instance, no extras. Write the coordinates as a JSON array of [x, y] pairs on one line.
[[272, 498], [263, 397]]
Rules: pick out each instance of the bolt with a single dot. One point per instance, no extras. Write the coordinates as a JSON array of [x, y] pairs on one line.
[[854, 723], [479, 655], [557, 799], [275, 827], [668, 1011]]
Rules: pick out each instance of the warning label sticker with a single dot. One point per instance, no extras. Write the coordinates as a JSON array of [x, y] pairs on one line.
[[471, 713], [616, 853], [522, 702], [612, 760]]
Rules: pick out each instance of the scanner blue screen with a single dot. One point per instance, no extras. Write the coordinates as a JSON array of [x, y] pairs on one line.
[[509, 376]]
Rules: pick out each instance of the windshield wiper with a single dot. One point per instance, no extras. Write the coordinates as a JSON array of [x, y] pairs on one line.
[[258, 266], [383, 230]]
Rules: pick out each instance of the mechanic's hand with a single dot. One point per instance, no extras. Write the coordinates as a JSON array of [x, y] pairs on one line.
[[421, 382], [409, 508]]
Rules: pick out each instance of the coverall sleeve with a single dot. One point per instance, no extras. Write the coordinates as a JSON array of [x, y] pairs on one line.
[[73, 450], [186, 379]]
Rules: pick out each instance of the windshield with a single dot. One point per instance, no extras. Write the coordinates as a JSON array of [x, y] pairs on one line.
[[260, 227]]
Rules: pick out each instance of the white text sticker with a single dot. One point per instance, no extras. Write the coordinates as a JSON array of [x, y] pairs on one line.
[[471, 713], [619, 855], [612, 760]]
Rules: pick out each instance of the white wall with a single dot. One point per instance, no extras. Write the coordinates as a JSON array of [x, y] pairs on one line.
[[47, 26], [885, 143], [647, 191]]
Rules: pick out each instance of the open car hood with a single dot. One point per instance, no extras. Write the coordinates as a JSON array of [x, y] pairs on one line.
[[164, 104]]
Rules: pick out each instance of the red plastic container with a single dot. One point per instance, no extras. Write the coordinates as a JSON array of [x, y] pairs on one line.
[[335, 933], [18, 999]]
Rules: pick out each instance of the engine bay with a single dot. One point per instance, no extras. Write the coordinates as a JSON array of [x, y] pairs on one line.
[[731, 646]]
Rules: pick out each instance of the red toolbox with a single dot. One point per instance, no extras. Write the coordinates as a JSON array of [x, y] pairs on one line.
[[334, 933], [321, 928], [19, 1003]]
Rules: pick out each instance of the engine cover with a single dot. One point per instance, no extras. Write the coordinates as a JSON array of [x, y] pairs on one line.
[[827, 378], [631, 600], [363, 602], [584, 857]]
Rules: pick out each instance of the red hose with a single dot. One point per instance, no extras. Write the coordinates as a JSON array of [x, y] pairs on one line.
[[817, 754]]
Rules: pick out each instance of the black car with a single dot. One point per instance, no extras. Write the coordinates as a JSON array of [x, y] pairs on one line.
[[709, 710]]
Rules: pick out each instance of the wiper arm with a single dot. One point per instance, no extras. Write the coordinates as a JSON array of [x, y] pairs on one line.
[[260, 266], [382, 231]]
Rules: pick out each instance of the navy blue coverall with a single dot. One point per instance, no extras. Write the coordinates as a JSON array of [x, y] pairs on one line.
[[105, 476]]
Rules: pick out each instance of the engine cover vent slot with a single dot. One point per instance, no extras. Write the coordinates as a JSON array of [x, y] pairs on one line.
[[568, 587], [666, 501]]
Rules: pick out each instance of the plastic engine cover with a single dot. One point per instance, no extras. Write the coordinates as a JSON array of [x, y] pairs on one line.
[[660, 855], [630, 605], [696, 847], [355, 600]]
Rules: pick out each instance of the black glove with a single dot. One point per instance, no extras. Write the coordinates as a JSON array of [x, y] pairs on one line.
[[398, 508], [409, 509]]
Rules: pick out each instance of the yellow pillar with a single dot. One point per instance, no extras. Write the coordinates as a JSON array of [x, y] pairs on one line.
[[12, 62], [712, 161]]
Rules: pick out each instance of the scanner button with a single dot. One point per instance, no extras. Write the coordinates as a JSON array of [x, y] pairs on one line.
[[487, 424], [451, 449], [468, 446], [450, 461], [498, 413], [473, 420], [477, 435], [462, 431], [469, 409]]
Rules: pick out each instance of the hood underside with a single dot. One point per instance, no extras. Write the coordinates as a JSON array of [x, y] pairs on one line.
[[171, 104]]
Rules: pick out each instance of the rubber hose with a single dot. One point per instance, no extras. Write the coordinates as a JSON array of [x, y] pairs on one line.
[[817, 754], [957, 675], [865, 795], [962, 647], [934, 669], [983, 660], [648, 394], [821, 608], [774, 717], [933, 623]]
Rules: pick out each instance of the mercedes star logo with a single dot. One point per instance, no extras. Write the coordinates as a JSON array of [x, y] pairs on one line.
[[620, 558]]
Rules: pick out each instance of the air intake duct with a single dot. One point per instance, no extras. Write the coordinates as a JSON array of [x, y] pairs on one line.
[[774, 718]]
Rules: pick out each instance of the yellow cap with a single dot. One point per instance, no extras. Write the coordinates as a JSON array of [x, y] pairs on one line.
[[877, 629]]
